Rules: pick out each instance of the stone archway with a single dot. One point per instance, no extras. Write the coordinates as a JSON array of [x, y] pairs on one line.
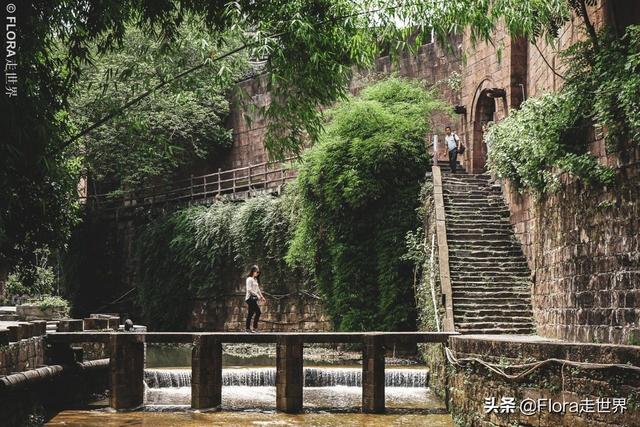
[[484, 112]]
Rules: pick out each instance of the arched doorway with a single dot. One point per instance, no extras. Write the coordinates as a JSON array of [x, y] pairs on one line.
[[484, 112]]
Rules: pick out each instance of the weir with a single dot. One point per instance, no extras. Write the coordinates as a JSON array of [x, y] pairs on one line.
[[207, 376], [313, 377]]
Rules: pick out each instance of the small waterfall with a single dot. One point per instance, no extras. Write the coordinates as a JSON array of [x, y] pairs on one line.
[[313, 377]]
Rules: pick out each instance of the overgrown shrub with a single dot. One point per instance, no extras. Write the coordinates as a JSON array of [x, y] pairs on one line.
[[357, 195], [545, 137], [205, 251]]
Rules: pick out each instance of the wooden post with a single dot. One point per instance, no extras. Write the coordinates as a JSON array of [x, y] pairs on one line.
[[126, 370], [249, 177], [233, 182], [289, 374], [219, 181], [206, 372], [373, 374]]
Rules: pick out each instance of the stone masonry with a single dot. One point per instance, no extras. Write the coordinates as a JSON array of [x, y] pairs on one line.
[[291, 313], [490, 278], [471, 384]]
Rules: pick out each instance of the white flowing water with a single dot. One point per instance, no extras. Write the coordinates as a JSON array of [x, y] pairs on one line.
[[331, 388], [313, 377]]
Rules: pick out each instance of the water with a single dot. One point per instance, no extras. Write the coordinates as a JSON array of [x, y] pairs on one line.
[[244, 418], [332, 397], [313, 377]]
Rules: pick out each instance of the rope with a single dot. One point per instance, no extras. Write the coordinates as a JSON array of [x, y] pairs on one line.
[[531, 367], [116, 300]]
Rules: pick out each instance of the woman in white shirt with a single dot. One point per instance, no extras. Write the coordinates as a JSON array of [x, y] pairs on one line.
[[252, 296]]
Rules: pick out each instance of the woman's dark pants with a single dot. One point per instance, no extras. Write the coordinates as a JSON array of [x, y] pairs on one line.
[[253, 309]]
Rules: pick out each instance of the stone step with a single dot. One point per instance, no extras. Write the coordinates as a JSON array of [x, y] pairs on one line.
[[457, 243], [474, 237], [501, 264], [491, 259], [480, 292], [497, 331], [480, 246], [493, 325], [516, 279], [479, 223], [506, 318], [9, 317], [482, 308], [490, 302], [475, 216], [507, 256]]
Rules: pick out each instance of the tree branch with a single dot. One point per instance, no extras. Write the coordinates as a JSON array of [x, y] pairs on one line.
[[145, 94], [547, 62], [588, 24]]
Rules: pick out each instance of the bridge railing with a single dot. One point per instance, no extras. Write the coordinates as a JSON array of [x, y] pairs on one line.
[[241, 182]]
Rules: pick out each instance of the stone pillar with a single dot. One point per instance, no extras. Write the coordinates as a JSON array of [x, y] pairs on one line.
[[206, 372], [289, 374], [126, 371], [373, 374]]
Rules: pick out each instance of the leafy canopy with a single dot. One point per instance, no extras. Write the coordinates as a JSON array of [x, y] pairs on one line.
[[183, 124]]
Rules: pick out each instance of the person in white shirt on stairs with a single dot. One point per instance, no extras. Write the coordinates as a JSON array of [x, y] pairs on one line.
[[453, 143], [252, 296]]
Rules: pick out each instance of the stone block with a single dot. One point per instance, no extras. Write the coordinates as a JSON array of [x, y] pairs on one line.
[[373, 376], [126, 369], [206, 373], [289, 374]]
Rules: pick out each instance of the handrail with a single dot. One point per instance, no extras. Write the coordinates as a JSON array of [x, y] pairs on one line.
[[261, 176], [443, 249]]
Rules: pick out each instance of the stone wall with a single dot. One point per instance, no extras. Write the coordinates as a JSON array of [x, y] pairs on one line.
[[432, 63], [21, 355], [583, 247], [291, 313], [471, 383]]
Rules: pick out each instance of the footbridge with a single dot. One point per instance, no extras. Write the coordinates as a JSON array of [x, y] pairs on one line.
[[126, 365]]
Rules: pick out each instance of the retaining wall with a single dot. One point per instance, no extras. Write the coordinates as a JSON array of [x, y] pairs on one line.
[[472, 384]]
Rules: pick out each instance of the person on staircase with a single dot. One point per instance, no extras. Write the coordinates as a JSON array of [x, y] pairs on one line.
[[252, 296], [453, 145]]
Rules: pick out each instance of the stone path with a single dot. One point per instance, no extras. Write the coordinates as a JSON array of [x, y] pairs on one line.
[[490, 278]]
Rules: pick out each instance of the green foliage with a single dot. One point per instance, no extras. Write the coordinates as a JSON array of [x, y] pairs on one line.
[[357, 197], [206, 251], [181, 125], [542, 139], [609, 92], [33, 279], [51, 301], [549, 134]]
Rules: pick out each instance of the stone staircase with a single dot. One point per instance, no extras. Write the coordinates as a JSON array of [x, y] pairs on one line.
[[490, 278]]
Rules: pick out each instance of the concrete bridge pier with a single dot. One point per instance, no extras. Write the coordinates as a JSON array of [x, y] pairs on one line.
[[289, 373], [206, 372], [126, 371], [373, 374]]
